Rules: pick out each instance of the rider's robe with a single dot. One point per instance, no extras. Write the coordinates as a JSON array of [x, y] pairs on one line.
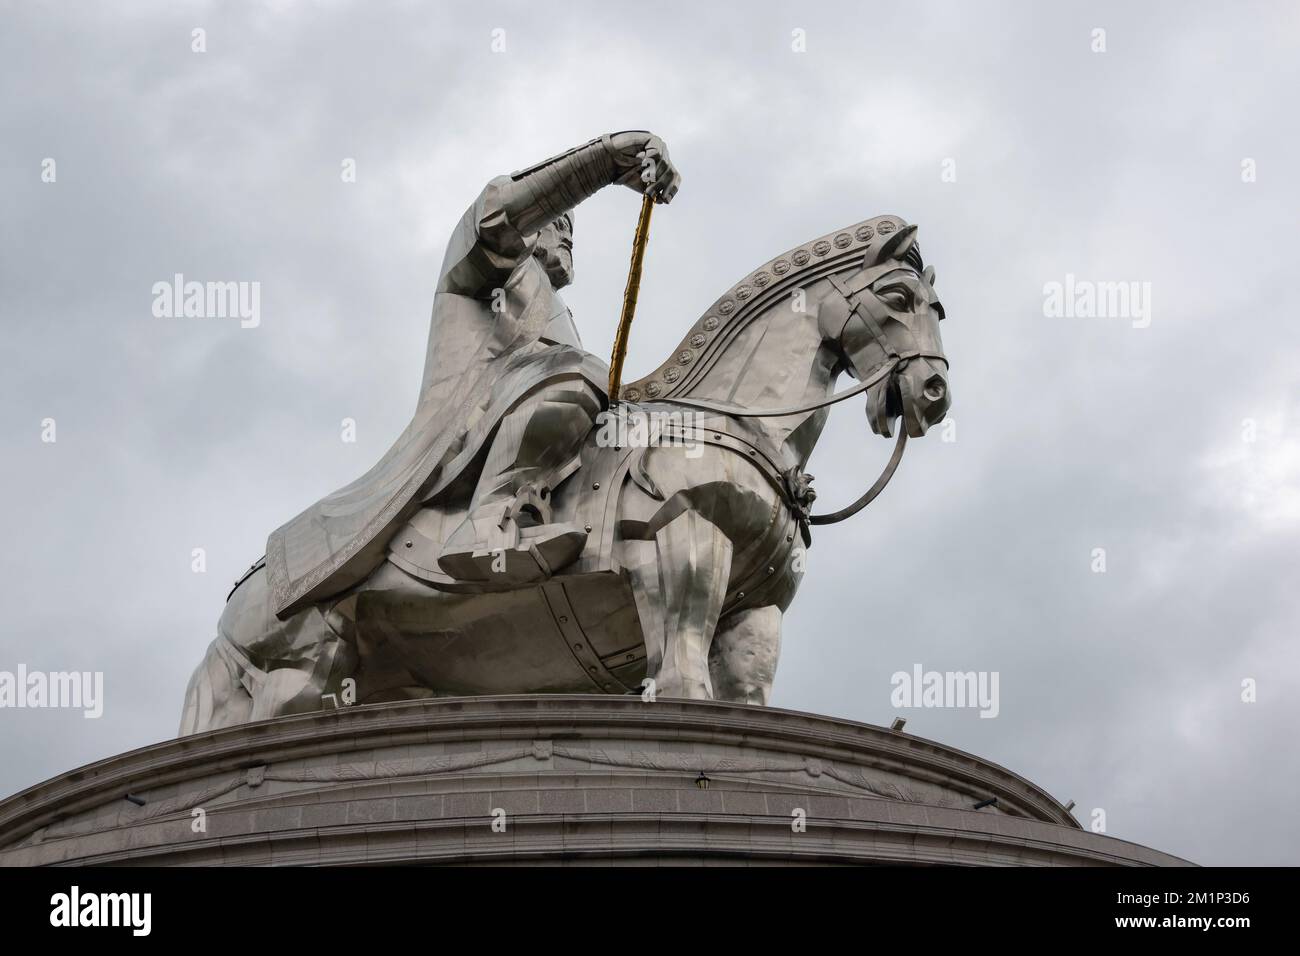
[[481, 361]]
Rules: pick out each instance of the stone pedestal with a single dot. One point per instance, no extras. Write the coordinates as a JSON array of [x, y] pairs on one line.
[[549, 779]]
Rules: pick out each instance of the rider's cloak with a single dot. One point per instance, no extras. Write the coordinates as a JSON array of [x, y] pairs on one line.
[[498, 331]]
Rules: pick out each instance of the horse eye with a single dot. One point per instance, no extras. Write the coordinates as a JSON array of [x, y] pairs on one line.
[[896, 297]]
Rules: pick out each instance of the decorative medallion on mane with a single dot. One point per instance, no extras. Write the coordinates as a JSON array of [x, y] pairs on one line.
[[834, 252]]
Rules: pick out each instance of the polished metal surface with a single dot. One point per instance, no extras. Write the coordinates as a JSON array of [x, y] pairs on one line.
[[504, 545]]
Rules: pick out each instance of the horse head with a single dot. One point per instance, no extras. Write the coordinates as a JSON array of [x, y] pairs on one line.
[[769, 350], [887, 313]]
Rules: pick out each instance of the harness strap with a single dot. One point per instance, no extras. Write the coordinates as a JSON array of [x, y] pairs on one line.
[[868, 310]]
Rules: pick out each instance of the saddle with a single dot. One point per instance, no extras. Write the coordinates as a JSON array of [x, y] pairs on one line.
[[590, 498]]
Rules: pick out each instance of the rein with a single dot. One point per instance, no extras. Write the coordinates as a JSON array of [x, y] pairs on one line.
[[735, 411], [870, 494]]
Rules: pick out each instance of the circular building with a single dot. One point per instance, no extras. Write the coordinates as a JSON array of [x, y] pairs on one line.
[[549, 779]]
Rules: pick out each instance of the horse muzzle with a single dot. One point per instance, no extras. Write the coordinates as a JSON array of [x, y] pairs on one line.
[[917, 392]]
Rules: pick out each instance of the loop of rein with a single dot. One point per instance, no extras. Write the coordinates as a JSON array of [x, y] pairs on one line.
[[870, 495]]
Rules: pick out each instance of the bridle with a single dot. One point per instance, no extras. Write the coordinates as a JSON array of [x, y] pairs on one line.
[[862, 303]]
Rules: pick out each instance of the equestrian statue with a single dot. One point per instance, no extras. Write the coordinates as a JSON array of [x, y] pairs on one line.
[[511, 541]]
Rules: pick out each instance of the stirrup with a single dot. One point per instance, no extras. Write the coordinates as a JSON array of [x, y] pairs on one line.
[[531, 507]]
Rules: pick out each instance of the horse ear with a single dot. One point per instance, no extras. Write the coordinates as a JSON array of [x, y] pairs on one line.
[[928, 275], [898, 244]]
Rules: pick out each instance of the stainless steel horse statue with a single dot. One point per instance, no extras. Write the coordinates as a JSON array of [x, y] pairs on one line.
[[690, 491]]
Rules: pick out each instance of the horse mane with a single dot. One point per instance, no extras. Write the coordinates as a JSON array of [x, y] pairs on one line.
[[846, 249]]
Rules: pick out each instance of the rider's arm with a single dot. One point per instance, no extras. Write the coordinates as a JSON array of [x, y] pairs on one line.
[[485, 247], [499, 230], [545, 191]]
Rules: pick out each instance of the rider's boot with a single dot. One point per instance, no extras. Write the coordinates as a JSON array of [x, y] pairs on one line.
[[509, 536]]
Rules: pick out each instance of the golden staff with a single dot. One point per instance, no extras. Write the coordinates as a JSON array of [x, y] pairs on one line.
[[629, 298]]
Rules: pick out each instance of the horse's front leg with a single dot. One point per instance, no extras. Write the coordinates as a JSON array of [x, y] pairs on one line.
[[687, 583], [742, 660]]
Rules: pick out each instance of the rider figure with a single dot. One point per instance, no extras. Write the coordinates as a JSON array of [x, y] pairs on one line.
[[511, 254]]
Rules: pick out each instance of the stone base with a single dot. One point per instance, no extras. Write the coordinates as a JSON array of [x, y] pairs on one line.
[[563, 778]]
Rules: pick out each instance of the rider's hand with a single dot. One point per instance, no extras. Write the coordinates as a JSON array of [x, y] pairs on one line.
[[660, 179], [649, 170]]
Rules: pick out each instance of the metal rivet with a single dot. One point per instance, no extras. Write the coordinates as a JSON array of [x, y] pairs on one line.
[[771, 570], [753, 452], [717, 437], [740, 596], [631, 657], [789, 538], [595, 486], [409, 544], [563, 619], [588, 529]]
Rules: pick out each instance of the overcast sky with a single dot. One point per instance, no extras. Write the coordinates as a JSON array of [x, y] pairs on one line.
[[1120, 690]]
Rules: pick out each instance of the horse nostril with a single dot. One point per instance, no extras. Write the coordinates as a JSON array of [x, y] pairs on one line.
[[935, 389]]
